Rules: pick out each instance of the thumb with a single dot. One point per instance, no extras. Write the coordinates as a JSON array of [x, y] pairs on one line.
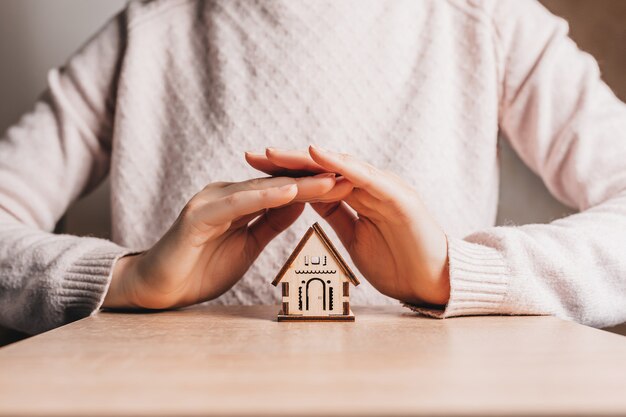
[[269, 225], [340, 217]]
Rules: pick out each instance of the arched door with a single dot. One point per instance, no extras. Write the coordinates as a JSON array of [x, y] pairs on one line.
[[315, 298]]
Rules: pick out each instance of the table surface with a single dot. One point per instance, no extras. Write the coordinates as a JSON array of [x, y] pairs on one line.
[[213, 360]]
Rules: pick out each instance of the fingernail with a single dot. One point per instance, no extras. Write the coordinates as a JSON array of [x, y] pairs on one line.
[[287, 187], [318, 148], [325, 175]]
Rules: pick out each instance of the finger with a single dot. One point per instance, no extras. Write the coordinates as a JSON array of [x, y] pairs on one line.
[[241, 203], [313, 187], [341, 190], [245, 220], [293, 160], [361, 174], [341, 218], [261, 163], [363, 209], [308, 187], [256, 184], [270, 225], [363, 198], [320, 187]]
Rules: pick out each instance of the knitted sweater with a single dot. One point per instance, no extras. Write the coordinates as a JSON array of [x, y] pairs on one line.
[[169, 94]]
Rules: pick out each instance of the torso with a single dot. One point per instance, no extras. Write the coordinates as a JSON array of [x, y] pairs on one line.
[[407, 86]]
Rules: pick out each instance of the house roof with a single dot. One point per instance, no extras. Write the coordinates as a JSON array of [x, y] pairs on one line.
[[317, 229]]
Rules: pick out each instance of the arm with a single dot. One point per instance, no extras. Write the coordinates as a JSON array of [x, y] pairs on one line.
[[570, 129], [61, 150], [54, 154]]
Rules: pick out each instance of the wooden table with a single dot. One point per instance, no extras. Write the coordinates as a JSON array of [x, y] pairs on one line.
[[240, 361]]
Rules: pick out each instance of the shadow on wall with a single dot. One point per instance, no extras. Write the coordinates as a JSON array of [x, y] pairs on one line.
[[598, 27], [35, 36]]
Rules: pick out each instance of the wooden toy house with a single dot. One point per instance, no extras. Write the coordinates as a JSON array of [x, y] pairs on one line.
[[315, 281]]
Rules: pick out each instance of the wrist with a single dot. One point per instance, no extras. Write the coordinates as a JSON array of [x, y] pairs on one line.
[[432, 283], [440, 293], [120, 294], [439, 273]]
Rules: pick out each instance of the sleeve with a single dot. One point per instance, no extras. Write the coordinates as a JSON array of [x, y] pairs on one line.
[[54, 154], [570, 129]]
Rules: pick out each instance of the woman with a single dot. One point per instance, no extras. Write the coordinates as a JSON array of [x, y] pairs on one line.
[[168, 96]]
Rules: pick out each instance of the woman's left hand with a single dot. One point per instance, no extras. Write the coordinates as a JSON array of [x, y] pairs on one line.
[[391, 237]]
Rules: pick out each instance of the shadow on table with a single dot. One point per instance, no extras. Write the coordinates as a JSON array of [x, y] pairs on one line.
[[619, 329], [8, 336], [265, 313]]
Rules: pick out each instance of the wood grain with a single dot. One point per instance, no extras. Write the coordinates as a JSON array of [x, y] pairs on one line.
[[240, 361]]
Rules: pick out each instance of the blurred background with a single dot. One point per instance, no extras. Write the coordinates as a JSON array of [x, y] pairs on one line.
[[36, 35]]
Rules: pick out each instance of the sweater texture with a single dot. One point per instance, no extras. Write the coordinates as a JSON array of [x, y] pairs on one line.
[[169, 94]]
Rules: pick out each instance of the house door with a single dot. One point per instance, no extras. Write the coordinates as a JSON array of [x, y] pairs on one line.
[[315, 302]]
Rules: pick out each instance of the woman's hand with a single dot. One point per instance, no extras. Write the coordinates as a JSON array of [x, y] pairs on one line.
[[388, 232], [213, 242]]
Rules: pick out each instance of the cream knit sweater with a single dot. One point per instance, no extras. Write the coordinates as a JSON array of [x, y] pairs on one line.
[[168, 96]]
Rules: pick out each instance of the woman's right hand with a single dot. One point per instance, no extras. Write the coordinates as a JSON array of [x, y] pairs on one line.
[[214, 240]]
